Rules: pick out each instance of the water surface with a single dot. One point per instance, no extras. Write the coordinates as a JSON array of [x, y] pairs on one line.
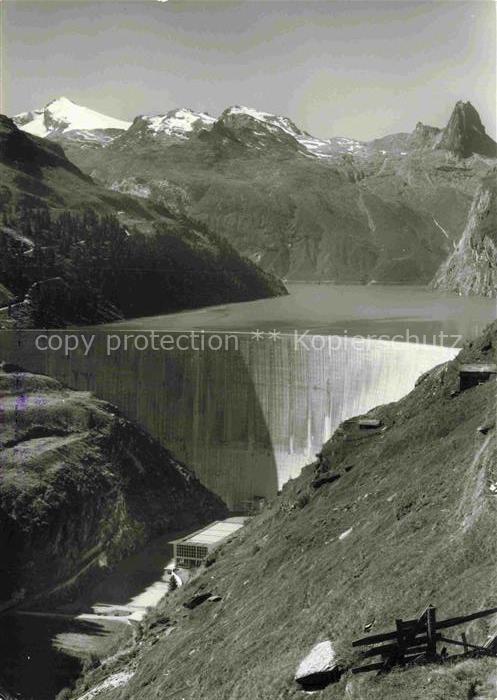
[[394, 312]]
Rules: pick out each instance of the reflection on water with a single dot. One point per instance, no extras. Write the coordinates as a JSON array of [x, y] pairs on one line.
[[337, 310]]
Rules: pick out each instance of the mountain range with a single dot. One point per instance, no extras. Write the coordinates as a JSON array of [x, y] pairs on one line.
[[390, 210]]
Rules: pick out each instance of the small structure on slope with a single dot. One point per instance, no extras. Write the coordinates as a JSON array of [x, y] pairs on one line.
[[193, 550], [362, 427], [369, 424], [471, 375]]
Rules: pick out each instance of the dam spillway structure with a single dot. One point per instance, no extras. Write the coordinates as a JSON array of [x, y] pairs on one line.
[[247, 416]]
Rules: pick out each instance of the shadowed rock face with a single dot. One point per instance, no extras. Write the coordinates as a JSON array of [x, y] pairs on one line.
[[80, 488], [465, 134], [472, 267]]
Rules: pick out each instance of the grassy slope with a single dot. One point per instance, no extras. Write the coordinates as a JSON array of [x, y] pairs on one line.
[[423, 525]]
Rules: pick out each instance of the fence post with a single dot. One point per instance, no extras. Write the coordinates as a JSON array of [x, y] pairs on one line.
[[431, 631], [400, 641]]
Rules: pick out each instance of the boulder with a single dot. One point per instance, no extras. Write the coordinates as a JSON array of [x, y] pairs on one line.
[[324, 479], [197, 600], [484, 428], [319, 668]]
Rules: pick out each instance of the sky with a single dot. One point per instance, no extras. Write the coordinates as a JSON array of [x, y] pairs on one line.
[[352, 68]]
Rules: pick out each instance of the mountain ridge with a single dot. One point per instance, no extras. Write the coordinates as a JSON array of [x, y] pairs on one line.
[[388, 211], [62, 115]]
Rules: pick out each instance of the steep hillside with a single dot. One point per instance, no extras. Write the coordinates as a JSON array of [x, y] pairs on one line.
[[304, 208], [472, 267], [384, 523], [80, 488], [113, 254]]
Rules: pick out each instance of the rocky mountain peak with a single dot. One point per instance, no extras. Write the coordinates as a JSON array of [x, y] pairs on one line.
[[273, 120], [423, 136], [258, 130], [61, 101], [465, 134], [179, 123]]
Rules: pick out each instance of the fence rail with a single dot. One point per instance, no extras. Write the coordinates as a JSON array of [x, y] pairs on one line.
[[415, 641]]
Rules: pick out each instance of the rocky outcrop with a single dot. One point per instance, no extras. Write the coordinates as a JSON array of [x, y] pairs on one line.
[[465, 134], [80, 488], [423, 136], [472, 267]]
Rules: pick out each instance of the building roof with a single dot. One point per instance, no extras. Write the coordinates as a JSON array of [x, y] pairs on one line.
[[213, 534], [369, 423], [480, 367]]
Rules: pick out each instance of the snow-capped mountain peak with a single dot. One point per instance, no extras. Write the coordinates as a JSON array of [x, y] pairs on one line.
[[63, 115], [64, 118], [320, 148], [178, 122], [283, 123], [250, 112]]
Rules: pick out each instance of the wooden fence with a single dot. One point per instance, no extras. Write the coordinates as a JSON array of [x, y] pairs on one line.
[[415, 641]]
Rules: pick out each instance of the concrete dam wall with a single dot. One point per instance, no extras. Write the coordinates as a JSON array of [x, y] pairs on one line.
[[246, 419]]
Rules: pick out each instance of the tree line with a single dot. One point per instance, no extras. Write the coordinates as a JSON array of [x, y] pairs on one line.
[[107, 269]]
